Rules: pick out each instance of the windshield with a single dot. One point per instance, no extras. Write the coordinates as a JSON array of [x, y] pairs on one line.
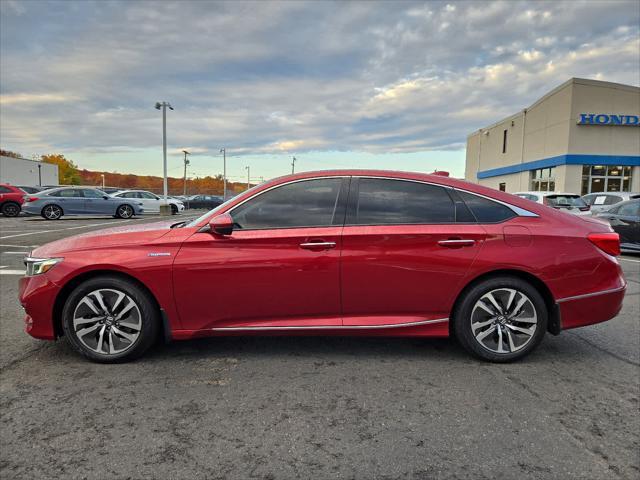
[[565, 201]]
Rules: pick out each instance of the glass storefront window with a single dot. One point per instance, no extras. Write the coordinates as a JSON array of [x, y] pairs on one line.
[[600, 178], [542, 180]]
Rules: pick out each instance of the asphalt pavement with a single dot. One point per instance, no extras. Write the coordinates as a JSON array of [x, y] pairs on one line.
[[314, 407]]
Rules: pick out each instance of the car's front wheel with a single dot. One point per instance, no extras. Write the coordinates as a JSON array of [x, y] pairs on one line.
[[174, 209], [124, 211], [109, 319], [500, 319], [10, 209], [51, 212]]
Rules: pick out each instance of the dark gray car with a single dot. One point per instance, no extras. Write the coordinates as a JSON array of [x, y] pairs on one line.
[[56, 202], [625, 219]]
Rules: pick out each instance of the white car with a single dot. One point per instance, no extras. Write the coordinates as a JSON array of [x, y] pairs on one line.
[[150, 201], [605, 200], [567, 202]]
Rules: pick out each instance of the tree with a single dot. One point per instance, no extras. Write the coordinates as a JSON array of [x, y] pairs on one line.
[[9, 153], [67, 170]]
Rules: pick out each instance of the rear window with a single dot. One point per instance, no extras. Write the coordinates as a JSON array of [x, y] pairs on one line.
[[564, 201], [528, 196]]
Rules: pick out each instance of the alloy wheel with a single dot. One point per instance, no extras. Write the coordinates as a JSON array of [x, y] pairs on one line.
[[10, 209], [125, 211], [52, 212], [504, 320], [107, 321]]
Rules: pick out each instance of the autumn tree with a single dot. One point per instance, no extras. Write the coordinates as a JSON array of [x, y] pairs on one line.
[[67, 170], [9, 153]]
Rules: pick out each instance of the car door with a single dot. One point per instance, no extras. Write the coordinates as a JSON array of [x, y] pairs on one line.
[[403, 255], [279, 267], [150, 202], [71, 200], [625, 220], [95, 202]]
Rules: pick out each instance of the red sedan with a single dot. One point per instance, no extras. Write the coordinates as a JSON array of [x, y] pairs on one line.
[[333, 253], [11, 200]]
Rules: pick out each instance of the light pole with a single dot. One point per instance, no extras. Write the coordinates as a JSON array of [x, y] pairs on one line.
[[163, 106], [223, 151], [248, 177], [39, 175], [293, 165], [186, 162], [102, 175]]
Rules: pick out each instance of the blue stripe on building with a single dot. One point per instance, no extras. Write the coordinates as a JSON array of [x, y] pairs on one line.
[[626, 160]]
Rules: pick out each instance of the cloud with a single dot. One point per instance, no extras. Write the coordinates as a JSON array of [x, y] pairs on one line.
[[272, 77]]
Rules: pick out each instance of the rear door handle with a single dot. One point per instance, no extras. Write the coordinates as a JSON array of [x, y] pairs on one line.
[[456, 243], [318, 245]]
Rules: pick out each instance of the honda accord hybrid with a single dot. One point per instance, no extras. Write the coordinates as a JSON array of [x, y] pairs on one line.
[[332, 253]]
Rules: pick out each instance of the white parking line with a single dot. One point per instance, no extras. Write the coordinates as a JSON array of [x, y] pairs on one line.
[[12, 253], [20, 246], [12, 272], [62, 229]]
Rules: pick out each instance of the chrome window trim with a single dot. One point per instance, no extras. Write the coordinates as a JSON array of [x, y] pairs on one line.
[[334, 327], [594, 294]]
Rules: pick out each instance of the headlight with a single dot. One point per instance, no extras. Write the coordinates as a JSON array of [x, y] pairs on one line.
[[36, 266]]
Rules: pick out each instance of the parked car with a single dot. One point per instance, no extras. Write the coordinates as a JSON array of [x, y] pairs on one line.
[[204, 201], [333, 253], [624, 218], [604, 200], [566, 202], [30, 188], [53, 204], [10, 200], [150, 201], [112, 190]]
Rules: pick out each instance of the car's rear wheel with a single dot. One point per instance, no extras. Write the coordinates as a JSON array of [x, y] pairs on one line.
[[51, 212], [10, 209], [110, 319], [501, 319], [124, 211]]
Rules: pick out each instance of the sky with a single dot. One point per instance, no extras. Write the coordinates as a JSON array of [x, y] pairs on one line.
[[395, 85]]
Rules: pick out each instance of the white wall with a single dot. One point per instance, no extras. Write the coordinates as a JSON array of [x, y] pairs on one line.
[[19, 171]]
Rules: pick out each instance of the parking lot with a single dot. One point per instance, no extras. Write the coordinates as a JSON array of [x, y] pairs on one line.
[[314, 407]]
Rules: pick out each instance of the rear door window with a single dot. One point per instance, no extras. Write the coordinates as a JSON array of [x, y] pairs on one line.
[[399, 202], [92, 194], [66, 193], [485, 210]]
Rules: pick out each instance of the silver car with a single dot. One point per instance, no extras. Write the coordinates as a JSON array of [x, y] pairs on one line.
[[150, 201], [56, 202], [602, 201]]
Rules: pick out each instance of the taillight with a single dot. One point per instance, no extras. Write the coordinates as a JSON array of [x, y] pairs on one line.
[[31, 199], [607, 242], [585, 208]]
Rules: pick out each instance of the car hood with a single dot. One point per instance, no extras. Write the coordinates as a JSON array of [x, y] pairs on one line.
[[116, 236]]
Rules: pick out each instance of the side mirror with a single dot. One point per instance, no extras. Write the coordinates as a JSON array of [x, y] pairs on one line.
[[106, 197], [222, 224]]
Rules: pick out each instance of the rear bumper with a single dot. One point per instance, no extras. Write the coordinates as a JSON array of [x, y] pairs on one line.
[[591, 308]]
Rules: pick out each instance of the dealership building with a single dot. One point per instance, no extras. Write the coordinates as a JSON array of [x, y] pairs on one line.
[[581, 137]]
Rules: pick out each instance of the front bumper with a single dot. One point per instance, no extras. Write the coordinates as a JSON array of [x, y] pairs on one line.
[[37, 296]]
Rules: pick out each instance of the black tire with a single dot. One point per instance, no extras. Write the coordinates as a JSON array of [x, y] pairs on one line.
[[148, 318], [11, 209], [51, 212], [174, 209], [125, 211], [467, 307]]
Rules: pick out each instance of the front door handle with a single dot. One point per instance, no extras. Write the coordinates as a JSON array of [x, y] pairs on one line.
[[457, 243], [318, 245]]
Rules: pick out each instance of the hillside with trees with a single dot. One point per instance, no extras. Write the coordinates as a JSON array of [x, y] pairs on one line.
[[70, 174]]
